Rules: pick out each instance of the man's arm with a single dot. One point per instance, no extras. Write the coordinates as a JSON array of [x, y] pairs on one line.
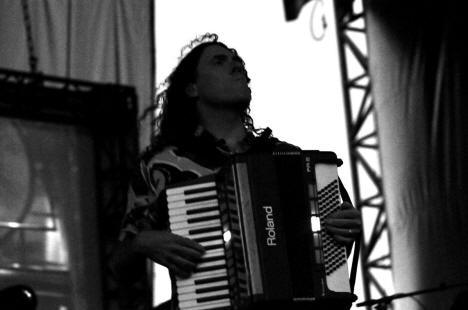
[[180, 255], [144, 235]]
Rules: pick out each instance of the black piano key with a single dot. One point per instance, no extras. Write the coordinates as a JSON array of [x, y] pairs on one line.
[[214, 258], [209, 268], [209, 238], [211, 289], [198, 231], [202, 219], [210, 280], [213, 247], [212, 298], [198, 199], [202, 210], [199, 190]]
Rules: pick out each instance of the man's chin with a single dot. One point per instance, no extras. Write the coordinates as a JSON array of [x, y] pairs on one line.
[[238, 106], [243, 105]]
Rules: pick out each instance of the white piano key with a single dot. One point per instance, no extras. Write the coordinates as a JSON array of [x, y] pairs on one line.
[[187, 289], [188, 233], [201, 276], [212, 263], [214, 291], [214, 242], [186, 218], [207, 274], [213, 253], [183, 204], [177, 190], [192, 230], [191, 208], [183, 225], [200, 238], [192, 196], [207, 234], [190, 297], [205, 306]]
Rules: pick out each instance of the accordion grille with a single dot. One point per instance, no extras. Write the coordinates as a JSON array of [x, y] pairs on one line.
[[329, 202]]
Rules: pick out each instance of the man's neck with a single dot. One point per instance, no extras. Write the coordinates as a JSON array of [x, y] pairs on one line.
[[224, 124]]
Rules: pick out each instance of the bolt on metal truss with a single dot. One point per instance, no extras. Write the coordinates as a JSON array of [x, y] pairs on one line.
[[364, 150]]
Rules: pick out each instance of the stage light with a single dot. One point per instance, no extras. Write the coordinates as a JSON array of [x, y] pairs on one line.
[[292, 8]]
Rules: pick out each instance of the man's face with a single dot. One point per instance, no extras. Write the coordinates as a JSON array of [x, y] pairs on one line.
[[221, 81]]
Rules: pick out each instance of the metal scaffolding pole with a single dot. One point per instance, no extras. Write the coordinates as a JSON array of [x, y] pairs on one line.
[[363, 142]]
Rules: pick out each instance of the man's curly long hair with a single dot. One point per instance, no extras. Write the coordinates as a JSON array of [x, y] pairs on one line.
[[178, 119]]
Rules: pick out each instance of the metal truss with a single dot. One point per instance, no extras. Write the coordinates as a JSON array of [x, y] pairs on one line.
[[364, 148]]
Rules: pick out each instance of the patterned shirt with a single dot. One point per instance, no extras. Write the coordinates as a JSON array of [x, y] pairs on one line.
[[146, 202]]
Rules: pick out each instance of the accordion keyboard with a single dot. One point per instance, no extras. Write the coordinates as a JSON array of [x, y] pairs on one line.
[[260, 222], [194, 213]]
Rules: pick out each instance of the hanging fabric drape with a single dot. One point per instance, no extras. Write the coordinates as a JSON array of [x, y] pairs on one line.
[[418, 69], [101, 41], [108, 41]]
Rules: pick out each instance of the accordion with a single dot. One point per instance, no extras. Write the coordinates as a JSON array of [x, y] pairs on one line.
[[260, 220]]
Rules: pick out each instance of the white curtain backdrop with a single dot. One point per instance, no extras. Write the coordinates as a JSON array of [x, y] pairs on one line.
[[418, 66], [107, 41]]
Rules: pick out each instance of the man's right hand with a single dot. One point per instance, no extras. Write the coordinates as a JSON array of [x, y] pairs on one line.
[[180, 255]]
